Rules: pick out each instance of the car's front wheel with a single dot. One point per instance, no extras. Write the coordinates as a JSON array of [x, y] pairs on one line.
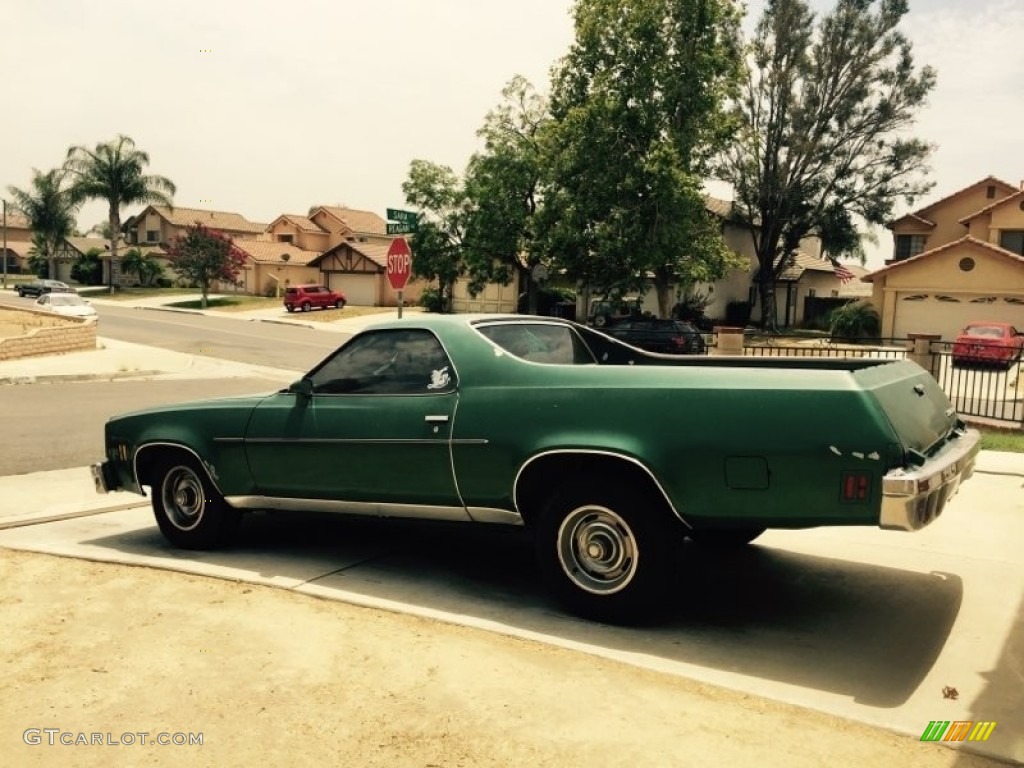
[[339, 304], [604, 553], [289, 307], [190, 512]]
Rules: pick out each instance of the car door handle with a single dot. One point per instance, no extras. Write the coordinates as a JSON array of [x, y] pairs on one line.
[[437, 419]]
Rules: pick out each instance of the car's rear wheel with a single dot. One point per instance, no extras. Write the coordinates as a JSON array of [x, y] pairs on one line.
[[724, 538], [305, 306], [189, 510], [289, 307], [603, 551]]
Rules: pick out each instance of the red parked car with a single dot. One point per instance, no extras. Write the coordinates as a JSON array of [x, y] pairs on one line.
[[993, 343], [305, 297]]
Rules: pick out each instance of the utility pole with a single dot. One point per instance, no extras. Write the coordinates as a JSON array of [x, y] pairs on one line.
[[5, 244]]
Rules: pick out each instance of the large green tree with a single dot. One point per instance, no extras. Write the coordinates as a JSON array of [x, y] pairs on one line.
[[823, 142], [639, 105], [50, 210], [503, 186], [204, 256], [114, 171], [440, 196]]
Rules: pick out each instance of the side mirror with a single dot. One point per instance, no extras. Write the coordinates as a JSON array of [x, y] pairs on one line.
[[303, 388]]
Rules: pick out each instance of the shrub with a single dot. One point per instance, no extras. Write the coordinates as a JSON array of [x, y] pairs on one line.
[[857, 321], [87, 268], [430, 300]]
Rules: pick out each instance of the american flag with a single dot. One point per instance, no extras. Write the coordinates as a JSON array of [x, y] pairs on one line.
[[842, 272]]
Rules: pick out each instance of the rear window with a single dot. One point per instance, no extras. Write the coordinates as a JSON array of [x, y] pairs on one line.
[[540, 343]]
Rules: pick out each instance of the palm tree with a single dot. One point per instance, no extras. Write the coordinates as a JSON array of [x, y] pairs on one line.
[[113, 172], [50, 209]]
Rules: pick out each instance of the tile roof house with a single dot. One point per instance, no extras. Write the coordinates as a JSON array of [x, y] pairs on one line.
[[803, 287], [955, 261], [159, 224], [19, 241], [358, 268]]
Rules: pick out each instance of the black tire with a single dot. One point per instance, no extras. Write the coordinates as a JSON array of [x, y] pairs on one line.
[[339, 304], [305, 306], [289, 307], [724, 538], [604, 553], [21, 293], [190, 512]]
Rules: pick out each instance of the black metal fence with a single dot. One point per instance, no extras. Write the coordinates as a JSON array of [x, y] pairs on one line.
[[986, 391], [887, 349]]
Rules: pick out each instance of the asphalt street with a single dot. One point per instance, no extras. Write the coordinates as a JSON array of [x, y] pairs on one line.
[[279, 345], [59, 424]]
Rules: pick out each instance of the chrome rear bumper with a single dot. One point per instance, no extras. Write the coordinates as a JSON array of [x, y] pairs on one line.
[[99, 478], [912, 498]]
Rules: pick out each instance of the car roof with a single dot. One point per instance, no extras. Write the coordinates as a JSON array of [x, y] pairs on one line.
[[433, 320]]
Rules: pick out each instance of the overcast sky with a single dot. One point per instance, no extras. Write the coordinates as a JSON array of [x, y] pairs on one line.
[[264, 108]]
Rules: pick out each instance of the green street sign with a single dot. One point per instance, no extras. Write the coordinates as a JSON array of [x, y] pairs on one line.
[[401, 229], [403, 217]]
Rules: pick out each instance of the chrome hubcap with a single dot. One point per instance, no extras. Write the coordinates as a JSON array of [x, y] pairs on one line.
[[183, 498], [597, 550]]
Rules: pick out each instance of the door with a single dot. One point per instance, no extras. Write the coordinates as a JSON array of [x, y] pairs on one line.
[[375, 432], [947, 314]]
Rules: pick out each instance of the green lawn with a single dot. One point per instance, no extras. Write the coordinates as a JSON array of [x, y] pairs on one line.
[[997, 440]]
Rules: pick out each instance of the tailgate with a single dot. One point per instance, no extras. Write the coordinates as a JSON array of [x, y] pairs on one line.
[[912, 400]]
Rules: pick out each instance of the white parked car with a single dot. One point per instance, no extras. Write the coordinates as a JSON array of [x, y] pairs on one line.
[[70, 304]]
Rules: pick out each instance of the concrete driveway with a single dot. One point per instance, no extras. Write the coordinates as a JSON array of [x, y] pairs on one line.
[[878, 627]]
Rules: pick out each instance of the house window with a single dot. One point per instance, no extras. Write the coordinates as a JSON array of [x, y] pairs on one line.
[[152, 235], [285, 238], [1012, 240], [908, 246], [990, 192], [811, 293], [966, 264]]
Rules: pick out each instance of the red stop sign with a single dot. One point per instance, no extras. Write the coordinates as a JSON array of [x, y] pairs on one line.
[[399, 263]]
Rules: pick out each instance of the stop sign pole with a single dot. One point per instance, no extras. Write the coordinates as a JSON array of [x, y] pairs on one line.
[[399, 267]]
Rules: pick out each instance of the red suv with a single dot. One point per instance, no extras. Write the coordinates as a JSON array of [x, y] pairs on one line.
[[305, 297]]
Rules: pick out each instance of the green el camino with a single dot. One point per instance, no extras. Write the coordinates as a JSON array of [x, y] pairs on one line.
[[608, 455]]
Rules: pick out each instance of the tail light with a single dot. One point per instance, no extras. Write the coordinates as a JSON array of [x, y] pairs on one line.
[[855, 486]]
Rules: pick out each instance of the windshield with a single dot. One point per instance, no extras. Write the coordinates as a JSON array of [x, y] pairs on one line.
[[991, 331], [67, 301]]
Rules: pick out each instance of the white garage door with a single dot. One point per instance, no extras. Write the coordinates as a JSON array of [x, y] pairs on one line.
[[947, 314], [359, 290]]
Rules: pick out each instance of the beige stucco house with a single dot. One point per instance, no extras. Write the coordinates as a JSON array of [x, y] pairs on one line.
[[805, 278], [19, 242], [957, 260], [350, 247]]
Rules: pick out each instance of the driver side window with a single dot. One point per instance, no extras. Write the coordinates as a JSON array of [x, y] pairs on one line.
[[392, 362]]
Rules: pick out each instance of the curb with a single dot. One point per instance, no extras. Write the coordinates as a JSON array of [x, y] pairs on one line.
[[55, 377], [173, 309], [21, 522]]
